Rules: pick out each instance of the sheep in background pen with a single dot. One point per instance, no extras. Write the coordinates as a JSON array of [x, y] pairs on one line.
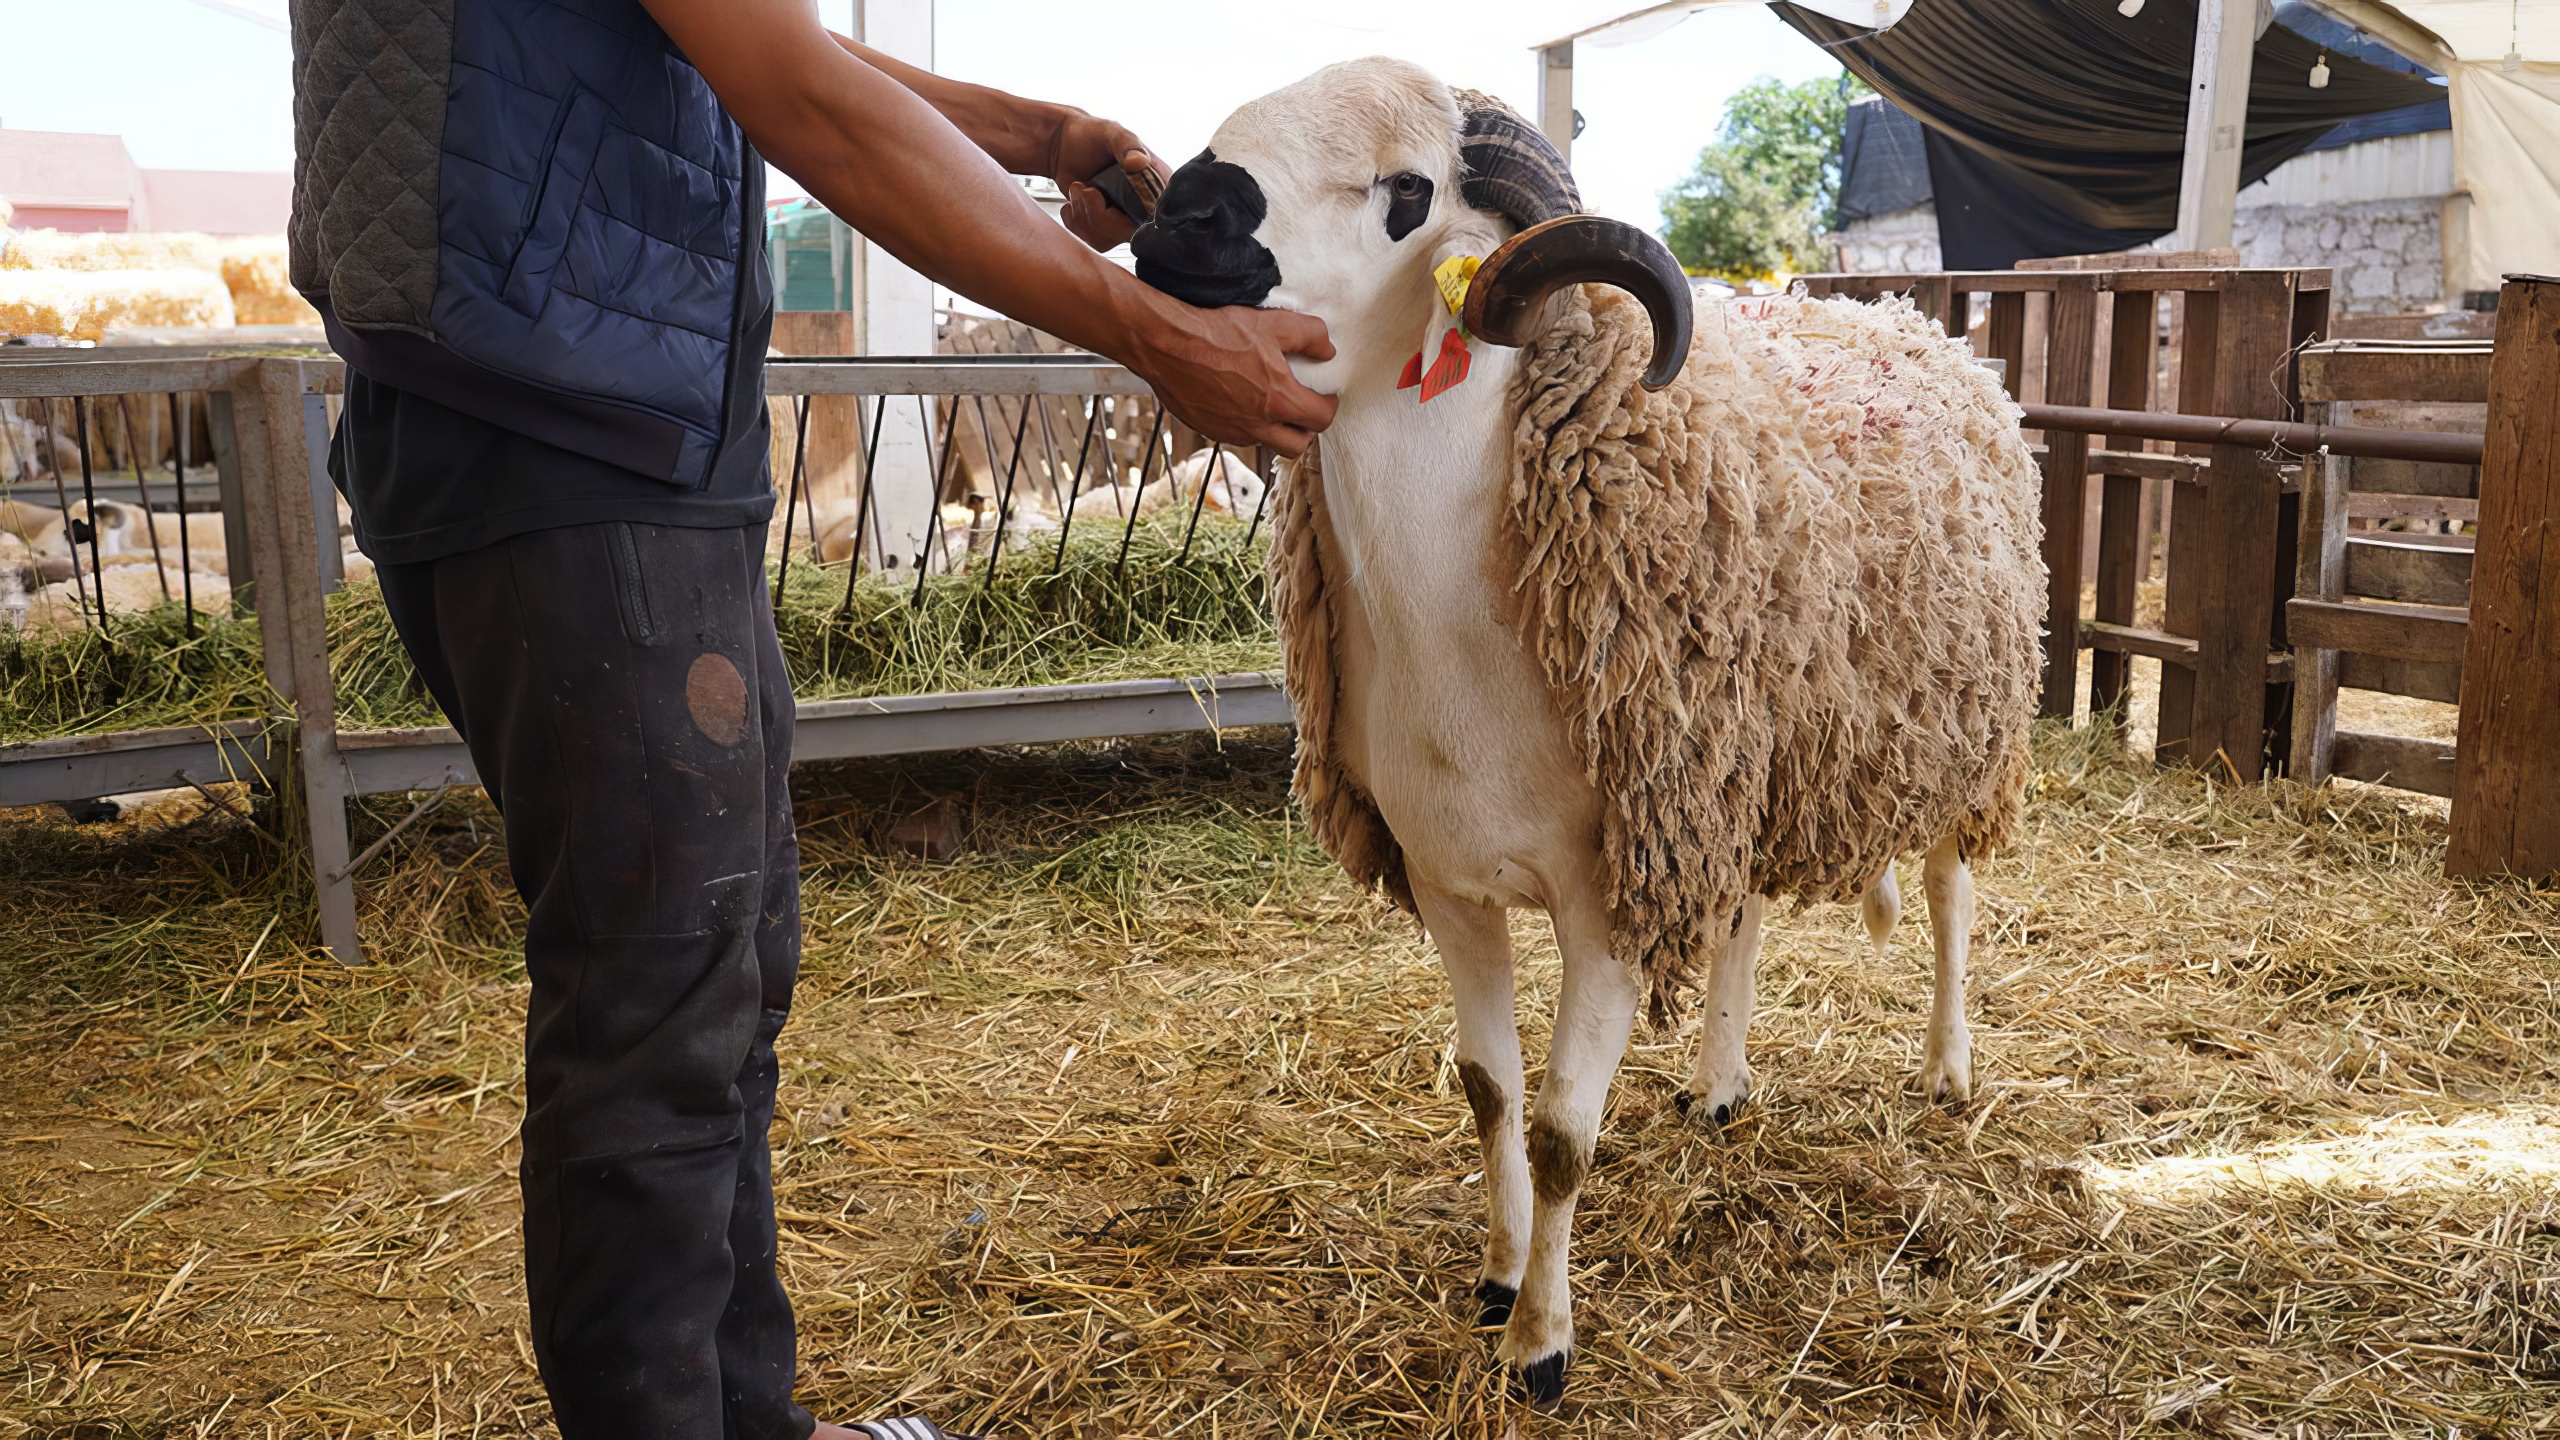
[[1641, 645], [1235, 490]]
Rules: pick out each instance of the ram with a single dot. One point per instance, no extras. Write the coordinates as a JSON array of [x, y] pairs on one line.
[[1581, 627]]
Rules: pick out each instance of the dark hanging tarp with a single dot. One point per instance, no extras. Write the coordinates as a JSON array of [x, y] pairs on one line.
[[2058, 127]]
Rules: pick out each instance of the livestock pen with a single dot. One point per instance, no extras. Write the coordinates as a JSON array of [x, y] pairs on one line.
[[1134, 1118]]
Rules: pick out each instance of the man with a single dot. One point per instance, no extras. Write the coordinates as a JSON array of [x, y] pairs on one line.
[[535, 229]]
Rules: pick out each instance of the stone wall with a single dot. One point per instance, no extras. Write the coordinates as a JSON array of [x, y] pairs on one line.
[[1901, 242], [2387, 253]]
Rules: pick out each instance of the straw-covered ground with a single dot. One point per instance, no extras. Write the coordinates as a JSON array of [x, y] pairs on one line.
[[1134, 1120]]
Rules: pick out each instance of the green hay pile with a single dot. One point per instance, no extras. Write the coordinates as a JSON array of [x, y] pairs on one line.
[[1041, 622]]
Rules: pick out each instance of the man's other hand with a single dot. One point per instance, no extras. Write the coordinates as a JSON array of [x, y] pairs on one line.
[[1226, 373], [1083, 146]]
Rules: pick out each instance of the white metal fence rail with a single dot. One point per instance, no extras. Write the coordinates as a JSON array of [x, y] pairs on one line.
[[270, 423]]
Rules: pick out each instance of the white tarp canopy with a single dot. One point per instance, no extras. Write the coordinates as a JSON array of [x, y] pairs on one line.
[[2503, 58], [1614, 24]]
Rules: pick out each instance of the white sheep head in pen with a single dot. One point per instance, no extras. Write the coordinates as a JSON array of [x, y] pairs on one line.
[[1340, 196], [1639, 623]]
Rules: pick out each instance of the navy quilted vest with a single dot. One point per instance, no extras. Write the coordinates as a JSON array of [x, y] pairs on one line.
[[599, 270]]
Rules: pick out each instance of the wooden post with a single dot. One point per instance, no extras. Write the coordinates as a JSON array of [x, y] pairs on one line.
[[267, 408], [2132, 355], [239, 554], [2506, 783], [2071, 335], [2217, 120], [2310, 323], [241, 413], [2237, 538], [2007, 337], [2320, 573], [1555, 96], [2185, 539], [1930, 293]]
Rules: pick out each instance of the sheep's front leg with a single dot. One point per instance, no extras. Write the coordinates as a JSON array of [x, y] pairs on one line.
[[1946, 1060], [1593, 1018], [1720, 1077], [1475, 949]]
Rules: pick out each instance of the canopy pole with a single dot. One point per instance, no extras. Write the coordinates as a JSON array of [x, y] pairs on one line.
[[1555, 96], [2217, 122]]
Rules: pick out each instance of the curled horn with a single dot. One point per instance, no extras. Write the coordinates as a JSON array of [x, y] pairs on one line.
[[1512, 169]]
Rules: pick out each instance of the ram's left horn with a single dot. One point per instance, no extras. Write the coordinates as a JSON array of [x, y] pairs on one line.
[[1512, 287]]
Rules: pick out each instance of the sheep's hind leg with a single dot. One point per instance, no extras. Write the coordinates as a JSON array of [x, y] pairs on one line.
[[1720, 1076], [1593, 1018], [1475, 950], [1882, 909], [1946, 1062]]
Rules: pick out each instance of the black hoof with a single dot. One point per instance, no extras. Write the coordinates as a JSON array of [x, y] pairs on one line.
[[1493, 1304], [1541, 1382], [1723, 1115]]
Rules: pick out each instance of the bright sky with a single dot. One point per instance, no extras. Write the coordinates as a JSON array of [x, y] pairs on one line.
[[200, 84]]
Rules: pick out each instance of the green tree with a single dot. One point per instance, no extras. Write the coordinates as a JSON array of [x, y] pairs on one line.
[[1761, 197]]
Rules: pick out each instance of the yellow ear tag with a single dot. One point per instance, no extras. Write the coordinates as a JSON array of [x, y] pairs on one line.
[[1454, 275]]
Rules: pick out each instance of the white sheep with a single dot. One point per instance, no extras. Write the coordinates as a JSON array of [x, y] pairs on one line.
[[19, 580], [130, 530], [127, 590], [1575, 627], [1234, 490]]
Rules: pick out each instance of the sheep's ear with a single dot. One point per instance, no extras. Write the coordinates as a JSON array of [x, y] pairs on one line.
[[1509, 167]]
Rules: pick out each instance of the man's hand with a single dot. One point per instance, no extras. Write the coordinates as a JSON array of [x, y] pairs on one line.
[[1226, 373], [1081, 147]]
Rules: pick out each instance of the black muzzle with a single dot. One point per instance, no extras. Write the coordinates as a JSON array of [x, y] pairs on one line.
[[1200, 247]]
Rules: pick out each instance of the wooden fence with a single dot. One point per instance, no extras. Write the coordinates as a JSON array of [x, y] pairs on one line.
[[2298, 558], [2218, 518]]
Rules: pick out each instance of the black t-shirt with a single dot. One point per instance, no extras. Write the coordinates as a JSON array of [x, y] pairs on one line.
[[426, 480]]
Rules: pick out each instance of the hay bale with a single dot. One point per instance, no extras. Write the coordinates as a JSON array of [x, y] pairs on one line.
[[85, 304], [56, 250], [261, 284]]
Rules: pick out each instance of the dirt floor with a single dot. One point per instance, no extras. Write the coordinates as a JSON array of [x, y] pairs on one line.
[[1135, 1120]]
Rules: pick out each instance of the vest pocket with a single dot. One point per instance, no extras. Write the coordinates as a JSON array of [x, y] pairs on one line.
[[568, 164]]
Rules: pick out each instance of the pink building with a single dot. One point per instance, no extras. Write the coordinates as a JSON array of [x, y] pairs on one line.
[[54, 180]]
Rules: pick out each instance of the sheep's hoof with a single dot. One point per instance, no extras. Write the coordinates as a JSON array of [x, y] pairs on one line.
[[1541, 1382], [1493, 1304], [1946, 1075], [1718, 1108]]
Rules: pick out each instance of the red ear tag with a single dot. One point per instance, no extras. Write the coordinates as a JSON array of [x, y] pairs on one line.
[[1450, 368], [1412, 375]]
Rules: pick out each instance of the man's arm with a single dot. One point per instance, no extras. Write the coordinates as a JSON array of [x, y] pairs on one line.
[[1033, 137], [883, 158]]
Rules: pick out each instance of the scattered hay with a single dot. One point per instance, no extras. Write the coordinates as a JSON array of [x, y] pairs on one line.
[[1039, 623], [1135, 1120]]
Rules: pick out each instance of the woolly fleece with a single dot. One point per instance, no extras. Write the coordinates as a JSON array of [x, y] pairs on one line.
[[1789, 606]]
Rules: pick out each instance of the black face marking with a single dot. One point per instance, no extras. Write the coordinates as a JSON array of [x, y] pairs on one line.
[[1200, 247], [1408, 203]]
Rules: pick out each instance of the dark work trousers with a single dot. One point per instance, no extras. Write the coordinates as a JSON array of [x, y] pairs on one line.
[[621, 691]]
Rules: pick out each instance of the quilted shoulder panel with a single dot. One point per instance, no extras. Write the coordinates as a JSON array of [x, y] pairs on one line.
[[369, 86]]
